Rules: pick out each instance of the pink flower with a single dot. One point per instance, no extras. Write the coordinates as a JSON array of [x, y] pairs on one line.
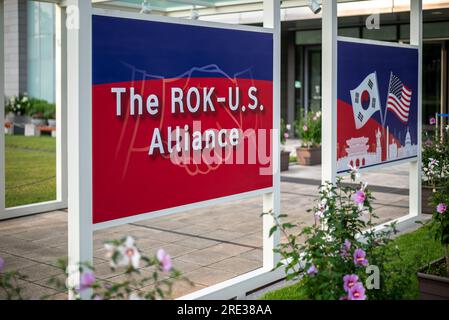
[[305, 128], [2, 264], [432, 121], [359, 198], [357, 292], [312, 270], [164, 260], [441, 208], [344, 298], [344, 252], [286, 135], [349, 281], [87, 280], [360, 257]]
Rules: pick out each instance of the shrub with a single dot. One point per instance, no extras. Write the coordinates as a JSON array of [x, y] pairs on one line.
[[435, 162], [284, 131], [342, 256], [309, 129], [122, 254], [18, 105], [42, 109]]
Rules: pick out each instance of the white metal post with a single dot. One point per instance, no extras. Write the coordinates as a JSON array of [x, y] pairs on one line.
[[2, 112], [79, 95], [61, 105], [329, 91], [271, 201], [415, 166]]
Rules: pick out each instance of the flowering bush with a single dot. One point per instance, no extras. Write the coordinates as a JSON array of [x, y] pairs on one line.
[[435, 160], [285, 128], [309, 129], [122, 254], [439, 224], [20, 105], [9, 282], [341, 252]]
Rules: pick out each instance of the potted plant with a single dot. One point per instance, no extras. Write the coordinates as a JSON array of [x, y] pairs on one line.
[[18, 108], [309, 131], [285, 155], [38, 111], [434, 278], [435, 166]]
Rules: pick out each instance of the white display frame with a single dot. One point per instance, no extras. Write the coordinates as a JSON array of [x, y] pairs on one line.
[[61, 131], [329, 103], [79, 95]]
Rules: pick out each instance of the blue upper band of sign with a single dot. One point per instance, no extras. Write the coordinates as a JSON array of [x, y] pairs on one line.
[[129, 49]]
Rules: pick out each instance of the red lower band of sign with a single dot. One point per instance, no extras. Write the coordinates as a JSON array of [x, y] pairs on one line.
[[174, 142]]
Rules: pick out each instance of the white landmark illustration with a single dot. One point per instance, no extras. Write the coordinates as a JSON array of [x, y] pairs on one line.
[[358, 155]]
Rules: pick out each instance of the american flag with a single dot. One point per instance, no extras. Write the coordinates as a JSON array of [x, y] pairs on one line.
[[399, 97]]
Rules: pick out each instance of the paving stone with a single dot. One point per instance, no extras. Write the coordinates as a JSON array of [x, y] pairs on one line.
[[39, 272], [204, 257], [208, 245], [197, 243], [208, 276], [236, 265]]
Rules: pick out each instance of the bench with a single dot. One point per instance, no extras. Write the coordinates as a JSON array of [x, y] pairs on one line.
[[32, 130]]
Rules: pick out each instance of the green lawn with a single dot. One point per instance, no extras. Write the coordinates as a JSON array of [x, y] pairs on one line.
[[30, 170], [417, 248]]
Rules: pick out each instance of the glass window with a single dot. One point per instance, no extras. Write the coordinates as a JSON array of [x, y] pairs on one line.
[[431, 30], [349, 32], [314, 80], [308, 37], [431, 84], [41, 45], [385, 33]]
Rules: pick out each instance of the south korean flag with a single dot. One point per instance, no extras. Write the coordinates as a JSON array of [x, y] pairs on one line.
[[365, 100]]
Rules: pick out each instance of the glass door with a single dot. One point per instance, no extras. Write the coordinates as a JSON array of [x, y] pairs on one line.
[[313, 79]]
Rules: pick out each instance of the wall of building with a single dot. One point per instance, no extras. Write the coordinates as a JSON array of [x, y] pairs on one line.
[[15, 46]]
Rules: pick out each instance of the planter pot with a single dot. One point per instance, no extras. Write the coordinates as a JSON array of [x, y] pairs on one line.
[[9, 117], [21, 120], [285, 160], [433, 287], [426, 192], [52, 122], [39, 122], [308, 156]]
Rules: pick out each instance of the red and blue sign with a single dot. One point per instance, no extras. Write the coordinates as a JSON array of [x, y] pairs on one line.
[[165, 92], [377, 101]]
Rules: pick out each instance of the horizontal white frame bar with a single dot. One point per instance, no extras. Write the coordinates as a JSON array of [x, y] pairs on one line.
[[378, 43], [16, 212], [175, 210], [244, 283], [258, 278], [381, 165], [195, 23], [399, 221]]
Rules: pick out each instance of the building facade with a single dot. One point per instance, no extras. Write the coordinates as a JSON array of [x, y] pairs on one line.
[[301, 58], [30, 53], [30, 49]]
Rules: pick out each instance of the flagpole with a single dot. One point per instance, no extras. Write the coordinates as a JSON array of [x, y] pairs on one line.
[[384, 120]]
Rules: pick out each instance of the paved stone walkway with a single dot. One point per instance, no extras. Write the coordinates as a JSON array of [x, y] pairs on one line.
[[208, 245]]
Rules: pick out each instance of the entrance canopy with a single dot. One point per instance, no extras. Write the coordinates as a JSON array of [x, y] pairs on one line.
[[251, 11]]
